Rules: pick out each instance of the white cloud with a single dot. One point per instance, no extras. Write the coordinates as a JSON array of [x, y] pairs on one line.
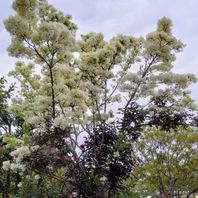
[[6, 64]]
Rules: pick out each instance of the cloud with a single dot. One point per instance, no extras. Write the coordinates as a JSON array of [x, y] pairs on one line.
[[6, 64], [4, 40], [105, 16], [6, 11]]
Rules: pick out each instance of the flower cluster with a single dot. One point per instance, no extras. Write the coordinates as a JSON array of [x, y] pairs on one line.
[[18, 155]]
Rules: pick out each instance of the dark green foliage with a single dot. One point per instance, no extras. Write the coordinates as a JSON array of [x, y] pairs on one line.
[[108, 153]]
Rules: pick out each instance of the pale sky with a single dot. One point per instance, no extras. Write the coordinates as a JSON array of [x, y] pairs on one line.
[[131, 17]]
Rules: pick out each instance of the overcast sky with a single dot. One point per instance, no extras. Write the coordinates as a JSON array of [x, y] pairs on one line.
[[131, 17]]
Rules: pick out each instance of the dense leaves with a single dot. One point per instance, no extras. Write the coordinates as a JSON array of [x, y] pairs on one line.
[[108, 153], [168, 164]]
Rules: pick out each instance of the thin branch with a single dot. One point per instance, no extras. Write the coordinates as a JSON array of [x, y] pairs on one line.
[[138, 85]]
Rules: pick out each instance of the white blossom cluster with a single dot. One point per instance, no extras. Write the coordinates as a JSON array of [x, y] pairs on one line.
[[15, 167], [18, 155], [20, 152], [6, 165], [60, 122]]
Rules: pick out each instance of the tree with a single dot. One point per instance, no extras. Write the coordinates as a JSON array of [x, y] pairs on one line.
[[6, 120], [62, 97], [168, 162]]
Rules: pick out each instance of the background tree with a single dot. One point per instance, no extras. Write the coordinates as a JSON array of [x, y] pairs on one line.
[[168, 162], [6, 120]]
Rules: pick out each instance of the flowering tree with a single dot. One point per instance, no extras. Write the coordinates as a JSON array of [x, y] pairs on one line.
[[6, 121], [91, 88]]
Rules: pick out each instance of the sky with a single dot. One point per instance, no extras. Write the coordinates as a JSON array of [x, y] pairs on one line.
[[130, 17]]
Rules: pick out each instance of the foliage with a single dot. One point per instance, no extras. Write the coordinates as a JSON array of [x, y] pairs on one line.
[[109, 155], [6, 119], [168, 162]]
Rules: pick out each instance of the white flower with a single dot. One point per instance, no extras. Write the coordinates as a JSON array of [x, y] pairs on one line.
[[19, 184], [37, 177], [27, 177], [6, 165], [49, 167], [103, 179], [116, 154], [60, 122], [20, 152], [15, 167], [34, 148]]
